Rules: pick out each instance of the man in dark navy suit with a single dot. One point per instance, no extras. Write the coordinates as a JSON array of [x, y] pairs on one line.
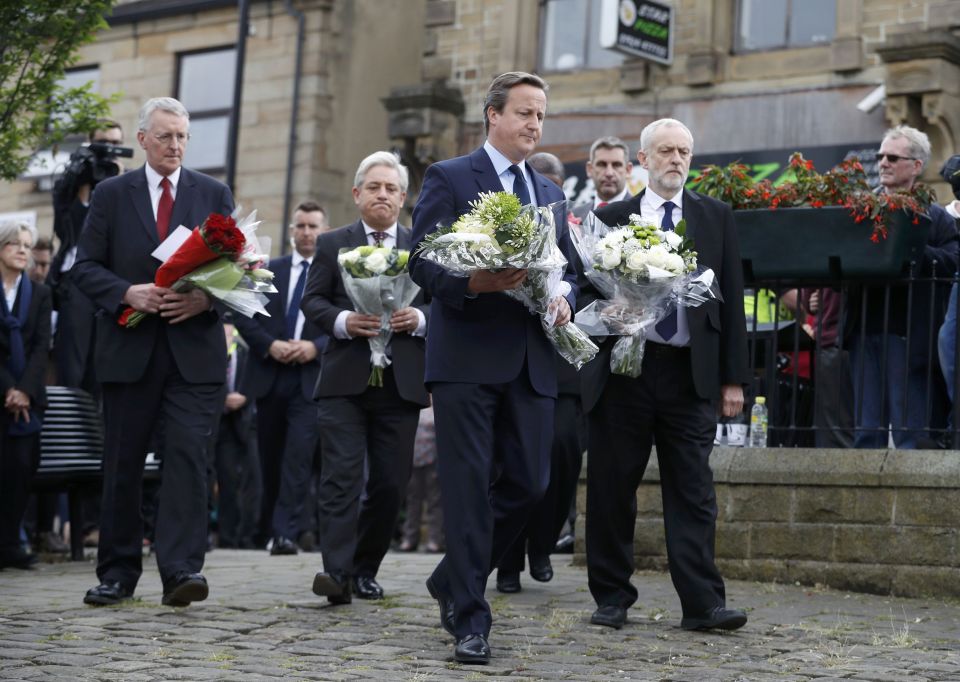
[[164, 376], [284, 363], [694, 365], [359, 422], [490, 367]]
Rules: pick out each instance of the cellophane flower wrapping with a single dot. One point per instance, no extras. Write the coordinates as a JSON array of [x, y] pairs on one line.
[[644, 273], [377, 283], [222, 258], [499, 233]]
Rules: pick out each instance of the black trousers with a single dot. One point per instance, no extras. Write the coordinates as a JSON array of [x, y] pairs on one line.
[[661, 405], [19, 458], [377, 427], [184, 416], [493, 458], [548, 516]]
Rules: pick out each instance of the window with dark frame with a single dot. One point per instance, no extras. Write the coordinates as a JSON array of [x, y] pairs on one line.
[[205, 81], [570, 36], [782, 24]]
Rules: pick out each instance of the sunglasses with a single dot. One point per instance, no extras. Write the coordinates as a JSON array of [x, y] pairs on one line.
[[893, 158]]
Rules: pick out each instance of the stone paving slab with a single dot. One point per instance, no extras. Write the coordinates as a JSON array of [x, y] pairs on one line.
[[261, 622]]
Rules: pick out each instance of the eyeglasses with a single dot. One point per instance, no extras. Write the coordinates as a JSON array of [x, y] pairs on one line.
[[167, 138], [893, 158]]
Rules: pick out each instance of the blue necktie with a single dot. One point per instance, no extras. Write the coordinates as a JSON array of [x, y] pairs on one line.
[[520, 185], [294, 309], [667, 327]]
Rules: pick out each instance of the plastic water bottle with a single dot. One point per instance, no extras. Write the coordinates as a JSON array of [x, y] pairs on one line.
[[758, 423]]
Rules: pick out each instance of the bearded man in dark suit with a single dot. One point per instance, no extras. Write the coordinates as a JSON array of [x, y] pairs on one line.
[[359, 422], [164, 377], [695, 362], [491, 369]]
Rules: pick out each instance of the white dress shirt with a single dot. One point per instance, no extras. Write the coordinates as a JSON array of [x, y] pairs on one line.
[[153, 185], [501, 165], [651, 209]]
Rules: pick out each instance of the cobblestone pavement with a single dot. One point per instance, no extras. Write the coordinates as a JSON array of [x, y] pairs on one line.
[[261, 622]]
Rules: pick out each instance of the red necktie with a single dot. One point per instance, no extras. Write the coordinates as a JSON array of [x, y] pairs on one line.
[[602, 204], [164, 209]]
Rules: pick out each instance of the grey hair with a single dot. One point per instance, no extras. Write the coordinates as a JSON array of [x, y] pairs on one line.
[[546, 163], [388, 159], [10, 232], [609, 142], [160, 104], [646, 135], [918, 141], [500, 89]]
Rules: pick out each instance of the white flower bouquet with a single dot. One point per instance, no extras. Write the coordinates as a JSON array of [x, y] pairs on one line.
[[644, 273], [377, 282], [500, 233]]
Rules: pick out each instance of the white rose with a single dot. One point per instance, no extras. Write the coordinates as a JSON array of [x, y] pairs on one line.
[[657, 256], [673, 239], [376, 262], [637, 261], [610, 257], [351, 256]]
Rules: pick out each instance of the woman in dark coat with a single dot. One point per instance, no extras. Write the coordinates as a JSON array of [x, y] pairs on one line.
[[24, 343]]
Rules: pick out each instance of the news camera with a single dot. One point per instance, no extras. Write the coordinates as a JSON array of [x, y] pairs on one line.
[[93, 163]]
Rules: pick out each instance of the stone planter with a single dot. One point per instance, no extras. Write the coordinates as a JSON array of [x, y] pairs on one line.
[[825, 244]]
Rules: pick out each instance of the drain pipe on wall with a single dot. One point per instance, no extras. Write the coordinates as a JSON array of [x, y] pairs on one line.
[[294, 118], [243, 29]]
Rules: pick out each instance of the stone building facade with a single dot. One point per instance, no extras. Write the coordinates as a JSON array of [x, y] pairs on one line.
[[410, 75]]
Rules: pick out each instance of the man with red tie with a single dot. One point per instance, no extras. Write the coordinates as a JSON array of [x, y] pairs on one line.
[[163, 380]]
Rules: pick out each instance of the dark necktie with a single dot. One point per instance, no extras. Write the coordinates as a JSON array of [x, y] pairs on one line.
[[294, 308], [667, 327], [164, 209], [520, 185], [378, 237]]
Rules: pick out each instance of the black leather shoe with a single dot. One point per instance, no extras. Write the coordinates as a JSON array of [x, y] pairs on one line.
[[610, 616], [541, 570], [472, 649], [335, 588], [717, 618], [17, 558], [366, 587], [184, 588], [283, 547], [107, 593], [508, 582], [446, 606], [565, 544]]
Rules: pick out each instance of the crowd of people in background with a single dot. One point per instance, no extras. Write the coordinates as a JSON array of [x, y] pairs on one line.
[[473, 442]]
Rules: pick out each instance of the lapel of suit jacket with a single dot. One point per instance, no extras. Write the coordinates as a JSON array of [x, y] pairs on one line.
[[693, 213], [282, 278], [403, 237], [140, 196], [485, 173], [356, 235], [541, 186]]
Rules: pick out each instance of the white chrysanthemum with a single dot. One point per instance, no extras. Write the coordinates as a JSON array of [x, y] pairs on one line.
[[376, 262]]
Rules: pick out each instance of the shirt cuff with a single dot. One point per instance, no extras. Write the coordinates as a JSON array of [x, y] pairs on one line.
[[340, 325], [421, 329]]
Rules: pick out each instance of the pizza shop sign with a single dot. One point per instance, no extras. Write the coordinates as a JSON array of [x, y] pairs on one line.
[[638, 27]]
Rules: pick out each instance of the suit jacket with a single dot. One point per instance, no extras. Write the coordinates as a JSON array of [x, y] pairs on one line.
[[114, 252], [240, 421], [36, 347], [260, 331], [483, 339], [718, 338], [345, 367]]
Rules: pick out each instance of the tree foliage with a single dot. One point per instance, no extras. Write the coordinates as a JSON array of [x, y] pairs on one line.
[[39, 40]]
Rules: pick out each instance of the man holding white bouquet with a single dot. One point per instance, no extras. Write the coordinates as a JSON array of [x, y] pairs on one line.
[[694, 366], [490, 366], [370, 390]]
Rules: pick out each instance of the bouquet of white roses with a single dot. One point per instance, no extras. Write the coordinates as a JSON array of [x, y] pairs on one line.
[[377, 283], [644, 273], [500, 233]]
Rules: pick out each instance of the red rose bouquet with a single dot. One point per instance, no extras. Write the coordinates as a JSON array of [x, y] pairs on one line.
[[221, 258]]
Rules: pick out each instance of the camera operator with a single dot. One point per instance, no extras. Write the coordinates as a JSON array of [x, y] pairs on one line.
[[73, 341]]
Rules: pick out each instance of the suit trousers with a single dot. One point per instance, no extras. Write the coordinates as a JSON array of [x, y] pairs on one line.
[[493, 458], [660, 405], [287, 436], [377, 426], [19, 458], [548, 516], [184, 416], [238, 481]]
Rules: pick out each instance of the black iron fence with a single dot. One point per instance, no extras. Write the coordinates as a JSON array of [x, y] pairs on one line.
[[857, 363]]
